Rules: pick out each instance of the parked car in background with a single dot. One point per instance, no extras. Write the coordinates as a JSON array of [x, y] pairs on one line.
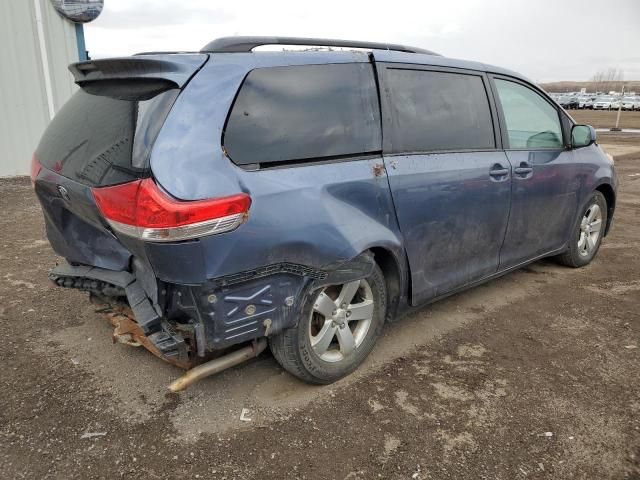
[[569, 102], [585, 102], [603, 103], [306, 198], [631, 103], [616, 103]]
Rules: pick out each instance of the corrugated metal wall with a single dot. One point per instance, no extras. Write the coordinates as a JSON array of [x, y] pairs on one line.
[[24, 105]]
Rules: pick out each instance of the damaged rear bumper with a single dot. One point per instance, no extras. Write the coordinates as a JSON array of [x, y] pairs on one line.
[[119, 295], [109, 284], [190, 323]]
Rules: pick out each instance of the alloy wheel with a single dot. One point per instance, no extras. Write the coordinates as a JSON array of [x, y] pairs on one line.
[[590, 228], [340, 320]]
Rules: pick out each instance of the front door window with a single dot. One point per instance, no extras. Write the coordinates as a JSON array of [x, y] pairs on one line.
[[531, 121]]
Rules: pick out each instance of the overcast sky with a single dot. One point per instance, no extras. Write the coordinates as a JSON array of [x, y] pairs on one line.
[[545, 40]]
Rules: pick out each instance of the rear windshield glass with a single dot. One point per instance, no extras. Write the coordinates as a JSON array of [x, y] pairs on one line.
[[304, 112], [99, 141]]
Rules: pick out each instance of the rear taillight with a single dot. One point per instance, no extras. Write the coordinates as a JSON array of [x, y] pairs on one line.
[[35, 168], [141, 209]]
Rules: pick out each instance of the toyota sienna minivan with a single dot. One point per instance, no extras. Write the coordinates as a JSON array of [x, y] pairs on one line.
[[218, 199]]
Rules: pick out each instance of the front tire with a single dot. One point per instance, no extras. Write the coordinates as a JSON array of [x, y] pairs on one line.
[[587, 233], [338, 329]]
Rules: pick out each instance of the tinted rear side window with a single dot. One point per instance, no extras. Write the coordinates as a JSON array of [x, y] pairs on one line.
[[304, 112], [431, 111]]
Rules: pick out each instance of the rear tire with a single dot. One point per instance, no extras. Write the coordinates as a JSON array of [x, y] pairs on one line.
[[587, 233], [319, 350]]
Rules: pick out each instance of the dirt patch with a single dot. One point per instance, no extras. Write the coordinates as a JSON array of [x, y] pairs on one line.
[[619, 151], [619, 139], [533, 375], [606, 118]]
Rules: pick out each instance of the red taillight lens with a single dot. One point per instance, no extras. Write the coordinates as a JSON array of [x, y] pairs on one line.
[[142, 210], [35, 168]]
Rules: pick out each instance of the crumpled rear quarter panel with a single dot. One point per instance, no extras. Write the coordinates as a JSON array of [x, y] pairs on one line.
[[311, 214]]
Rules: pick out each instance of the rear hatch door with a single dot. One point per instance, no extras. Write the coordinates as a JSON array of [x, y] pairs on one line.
[[102, 137]]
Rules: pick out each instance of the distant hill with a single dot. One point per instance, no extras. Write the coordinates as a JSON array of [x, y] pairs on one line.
[[630, 85]]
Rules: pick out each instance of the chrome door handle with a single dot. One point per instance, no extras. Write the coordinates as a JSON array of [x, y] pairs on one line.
[[498, 171], [523, 170]]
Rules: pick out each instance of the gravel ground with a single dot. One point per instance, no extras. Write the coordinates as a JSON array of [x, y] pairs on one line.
[[534, 375], [607, 119]]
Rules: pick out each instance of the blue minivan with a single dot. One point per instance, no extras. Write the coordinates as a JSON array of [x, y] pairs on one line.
[[217, 201]]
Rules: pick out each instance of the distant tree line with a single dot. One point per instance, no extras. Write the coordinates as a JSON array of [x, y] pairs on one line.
[[607, 80]]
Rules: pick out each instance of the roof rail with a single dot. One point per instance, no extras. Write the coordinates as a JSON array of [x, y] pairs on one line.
[[246, 44], [166, 52]]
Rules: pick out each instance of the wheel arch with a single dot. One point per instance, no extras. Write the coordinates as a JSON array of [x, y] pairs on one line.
[[394, 275], [610, 197]]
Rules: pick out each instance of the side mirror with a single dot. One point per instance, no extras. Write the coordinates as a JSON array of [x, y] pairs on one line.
[[582, 136]]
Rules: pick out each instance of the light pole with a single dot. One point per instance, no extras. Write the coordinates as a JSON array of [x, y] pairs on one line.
[[617, 128]]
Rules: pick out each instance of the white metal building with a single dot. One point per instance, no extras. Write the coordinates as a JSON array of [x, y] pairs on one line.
[[37, 45]]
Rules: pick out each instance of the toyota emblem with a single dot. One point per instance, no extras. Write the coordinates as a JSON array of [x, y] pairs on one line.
[[64, 193]]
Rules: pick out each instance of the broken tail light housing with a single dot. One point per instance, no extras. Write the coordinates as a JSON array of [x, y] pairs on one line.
[[142, 210]]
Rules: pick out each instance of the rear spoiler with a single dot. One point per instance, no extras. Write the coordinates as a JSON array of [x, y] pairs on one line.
[[136, 78]]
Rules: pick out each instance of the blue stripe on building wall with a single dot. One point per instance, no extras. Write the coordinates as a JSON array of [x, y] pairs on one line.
[[82, 49]]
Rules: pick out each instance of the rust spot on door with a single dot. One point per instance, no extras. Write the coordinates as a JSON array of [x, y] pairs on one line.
[[378, 169]]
